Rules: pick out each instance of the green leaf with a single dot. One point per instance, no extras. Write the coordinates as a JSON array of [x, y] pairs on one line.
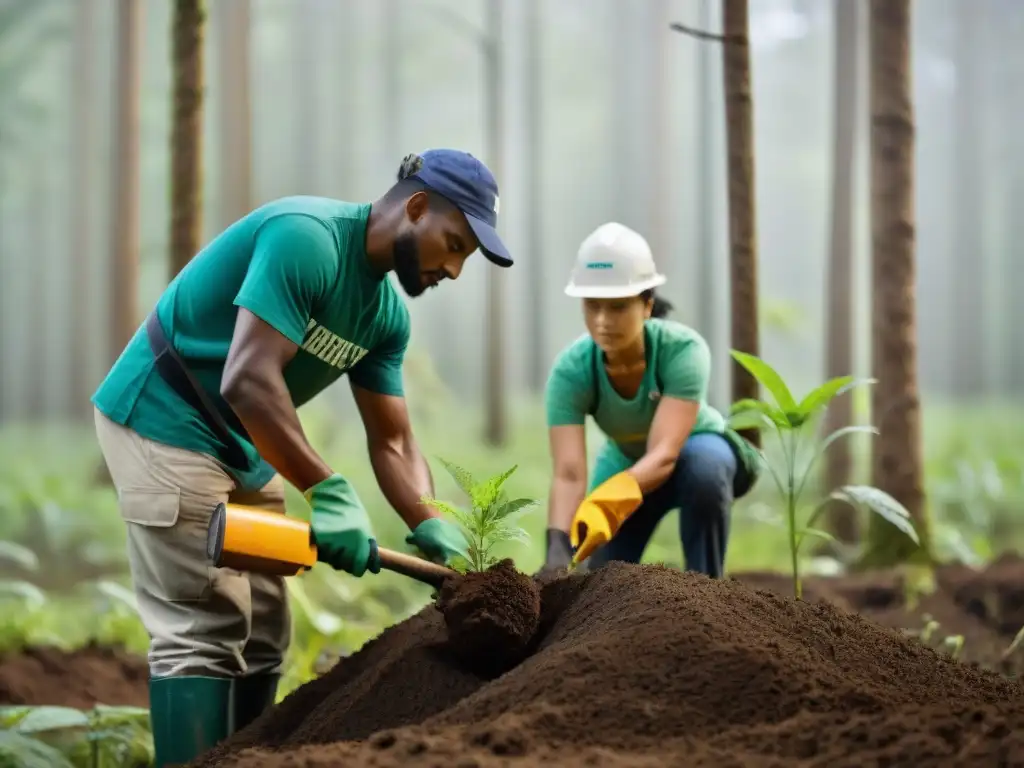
[[119, 594], [879, 502], [795, 419], [745, 420], [843, 432], [816, 533], [768, 378], [823, 395], [30, 593], [19, 751], [771, 412], [510, 510], [21, 556], [461, 477], [441, 506], [45, 718], [488, 492]]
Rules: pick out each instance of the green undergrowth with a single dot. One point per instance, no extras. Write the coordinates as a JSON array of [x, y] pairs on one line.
[[63, 571], [61, 737]]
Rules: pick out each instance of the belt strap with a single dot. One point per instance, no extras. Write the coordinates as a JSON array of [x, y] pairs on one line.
[[172, 369]]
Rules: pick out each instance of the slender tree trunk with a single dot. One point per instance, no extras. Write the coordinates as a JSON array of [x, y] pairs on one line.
[[839, 313], [124, 274], [187, 133], [896, 465], [1015, 286], [39, 239], [495, 393], [739, 114], [83, 186], [234, 23]]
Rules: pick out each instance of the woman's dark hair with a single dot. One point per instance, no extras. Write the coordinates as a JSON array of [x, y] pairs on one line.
[[661, 306]]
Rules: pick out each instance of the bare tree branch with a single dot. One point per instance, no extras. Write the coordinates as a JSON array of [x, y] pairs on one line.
[[675, 26]]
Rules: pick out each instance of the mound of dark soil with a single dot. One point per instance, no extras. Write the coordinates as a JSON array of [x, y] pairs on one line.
[[80, 679], [985, 607], [647, 666], [491, 616]]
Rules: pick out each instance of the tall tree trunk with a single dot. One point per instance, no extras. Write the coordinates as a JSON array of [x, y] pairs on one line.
[[839, 314], [967, 372], [233, 21], [39, 241], [124, 272], [83, 192], [495, 389], [1015, 287], [896, 407], [187, 133], [739, 116]]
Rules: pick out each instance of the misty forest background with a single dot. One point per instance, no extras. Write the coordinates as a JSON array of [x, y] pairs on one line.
[[588, 111]]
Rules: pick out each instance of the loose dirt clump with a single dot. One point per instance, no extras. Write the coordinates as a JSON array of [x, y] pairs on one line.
[[491, 616], [648, 666], [81, 679]]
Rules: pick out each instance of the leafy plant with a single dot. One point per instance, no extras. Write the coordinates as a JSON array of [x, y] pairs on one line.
[[489, 521], [791, 422], [61, 736]]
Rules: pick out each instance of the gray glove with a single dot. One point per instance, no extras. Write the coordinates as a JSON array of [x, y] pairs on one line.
[[559, 552]]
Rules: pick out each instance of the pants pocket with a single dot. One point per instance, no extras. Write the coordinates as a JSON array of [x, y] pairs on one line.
[[167, 544], [156, 507]]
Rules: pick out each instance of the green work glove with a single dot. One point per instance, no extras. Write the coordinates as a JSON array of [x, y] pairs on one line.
[[439, 540], [341, 527]]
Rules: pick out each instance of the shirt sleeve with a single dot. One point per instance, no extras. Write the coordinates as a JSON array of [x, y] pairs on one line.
[[294, 263], [685, 363], [566, 395], [381, 369]]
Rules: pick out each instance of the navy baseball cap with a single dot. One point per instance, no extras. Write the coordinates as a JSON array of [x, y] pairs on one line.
[[470, 186]]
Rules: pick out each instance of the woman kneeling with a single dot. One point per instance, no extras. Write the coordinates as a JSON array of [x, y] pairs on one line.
[[644, 381]]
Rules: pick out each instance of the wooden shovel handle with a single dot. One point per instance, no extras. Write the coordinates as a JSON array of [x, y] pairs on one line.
[[414, 567]]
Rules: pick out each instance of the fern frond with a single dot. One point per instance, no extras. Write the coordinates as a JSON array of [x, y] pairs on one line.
[[508, 533], [510, 510], [441, 506], [461, 477], [487, 493]]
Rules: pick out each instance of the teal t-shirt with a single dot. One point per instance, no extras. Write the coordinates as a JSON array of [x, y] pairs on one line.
[[298, 263], [677, 356]]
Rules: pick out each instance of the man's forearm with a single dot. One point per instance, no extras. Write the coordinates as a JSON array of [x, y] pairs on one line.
[[404, 478], [265, 409]]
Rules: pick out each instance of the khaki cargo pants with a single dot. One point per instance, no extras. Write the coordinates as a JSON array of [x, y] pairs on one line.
[[201, 620]]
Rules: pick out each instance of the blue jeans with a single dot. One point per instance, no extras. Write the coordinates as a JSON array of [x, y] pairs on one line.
[[701, 488]]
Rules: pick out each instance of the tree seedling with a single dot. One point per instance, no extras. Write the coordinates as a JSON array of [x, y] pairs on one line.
[[791, 421], [488, 522]]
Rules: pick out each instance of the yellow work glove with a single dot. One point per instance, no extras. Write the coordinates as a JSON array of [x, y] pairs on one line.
[[600, 515]]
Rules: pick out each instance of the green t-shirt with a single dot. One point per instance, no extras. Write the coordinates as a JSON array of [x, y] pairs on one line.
[[298, 263], [677, 357]]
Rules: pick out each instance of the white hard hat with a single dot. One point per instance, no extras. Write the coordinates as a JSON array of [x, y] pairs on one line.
[[613, 262]]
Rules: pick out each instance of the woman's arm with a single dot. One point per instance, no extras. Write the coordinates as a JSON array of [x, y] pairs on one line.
[[673, 422], [568, 487], [569, 480]]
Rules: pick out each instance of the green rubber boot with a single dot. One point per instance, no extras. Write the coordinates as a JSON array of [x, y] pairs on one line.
[[189, 716], [253, 695]]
